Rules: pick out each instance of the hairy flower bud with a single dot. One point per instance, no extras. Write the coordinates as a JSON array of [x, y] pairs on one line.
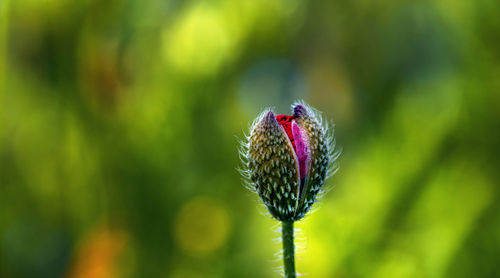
[[288, 159]]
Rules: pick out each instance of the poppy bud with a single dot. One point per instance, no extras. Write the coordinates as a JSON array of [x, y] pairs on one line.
[[288, 160]]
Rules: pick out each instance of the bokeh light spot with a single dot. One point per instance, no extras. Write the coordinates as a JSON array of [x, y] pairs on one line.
[[202, 226], [199, 43], [99, 252]]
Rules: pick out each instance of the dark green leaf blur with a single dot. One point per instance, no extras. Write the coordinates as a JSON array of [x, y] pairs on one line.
[[120, 122]]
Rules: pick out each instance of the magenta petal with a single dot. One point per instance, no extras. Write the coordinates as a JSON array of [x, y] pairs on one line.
[[302, 150]]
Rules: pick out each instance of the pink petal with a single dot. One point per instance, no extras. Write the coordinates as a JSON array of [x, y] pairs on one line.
[[301, 150]]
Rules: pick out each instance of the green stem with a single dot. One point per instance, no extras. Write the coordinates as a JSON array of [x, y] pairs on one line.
[[288, 249]]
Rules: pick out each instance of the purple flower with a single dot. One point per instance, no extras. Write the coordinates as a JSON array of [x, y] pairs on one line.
[[288, 159]]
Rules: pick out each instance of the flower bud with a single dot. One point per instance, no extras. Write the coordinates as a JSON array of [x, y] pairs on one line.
[[288, 159]]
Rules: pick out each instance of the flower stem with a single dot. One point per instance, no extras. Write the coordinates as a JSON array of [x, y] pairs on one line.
[[288, 249]]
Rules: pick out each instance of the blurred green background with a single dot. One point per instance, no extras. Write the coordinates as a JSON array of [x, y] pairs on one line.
[[119, 123]]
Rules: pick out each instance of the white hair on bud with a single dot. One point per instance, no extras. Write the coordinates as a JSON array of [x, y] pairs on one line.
[[243, 147]]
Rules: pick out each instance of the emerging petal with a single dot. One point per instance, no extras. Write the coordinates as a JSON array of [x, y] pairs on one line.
[[301, 149], [286, 122]]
